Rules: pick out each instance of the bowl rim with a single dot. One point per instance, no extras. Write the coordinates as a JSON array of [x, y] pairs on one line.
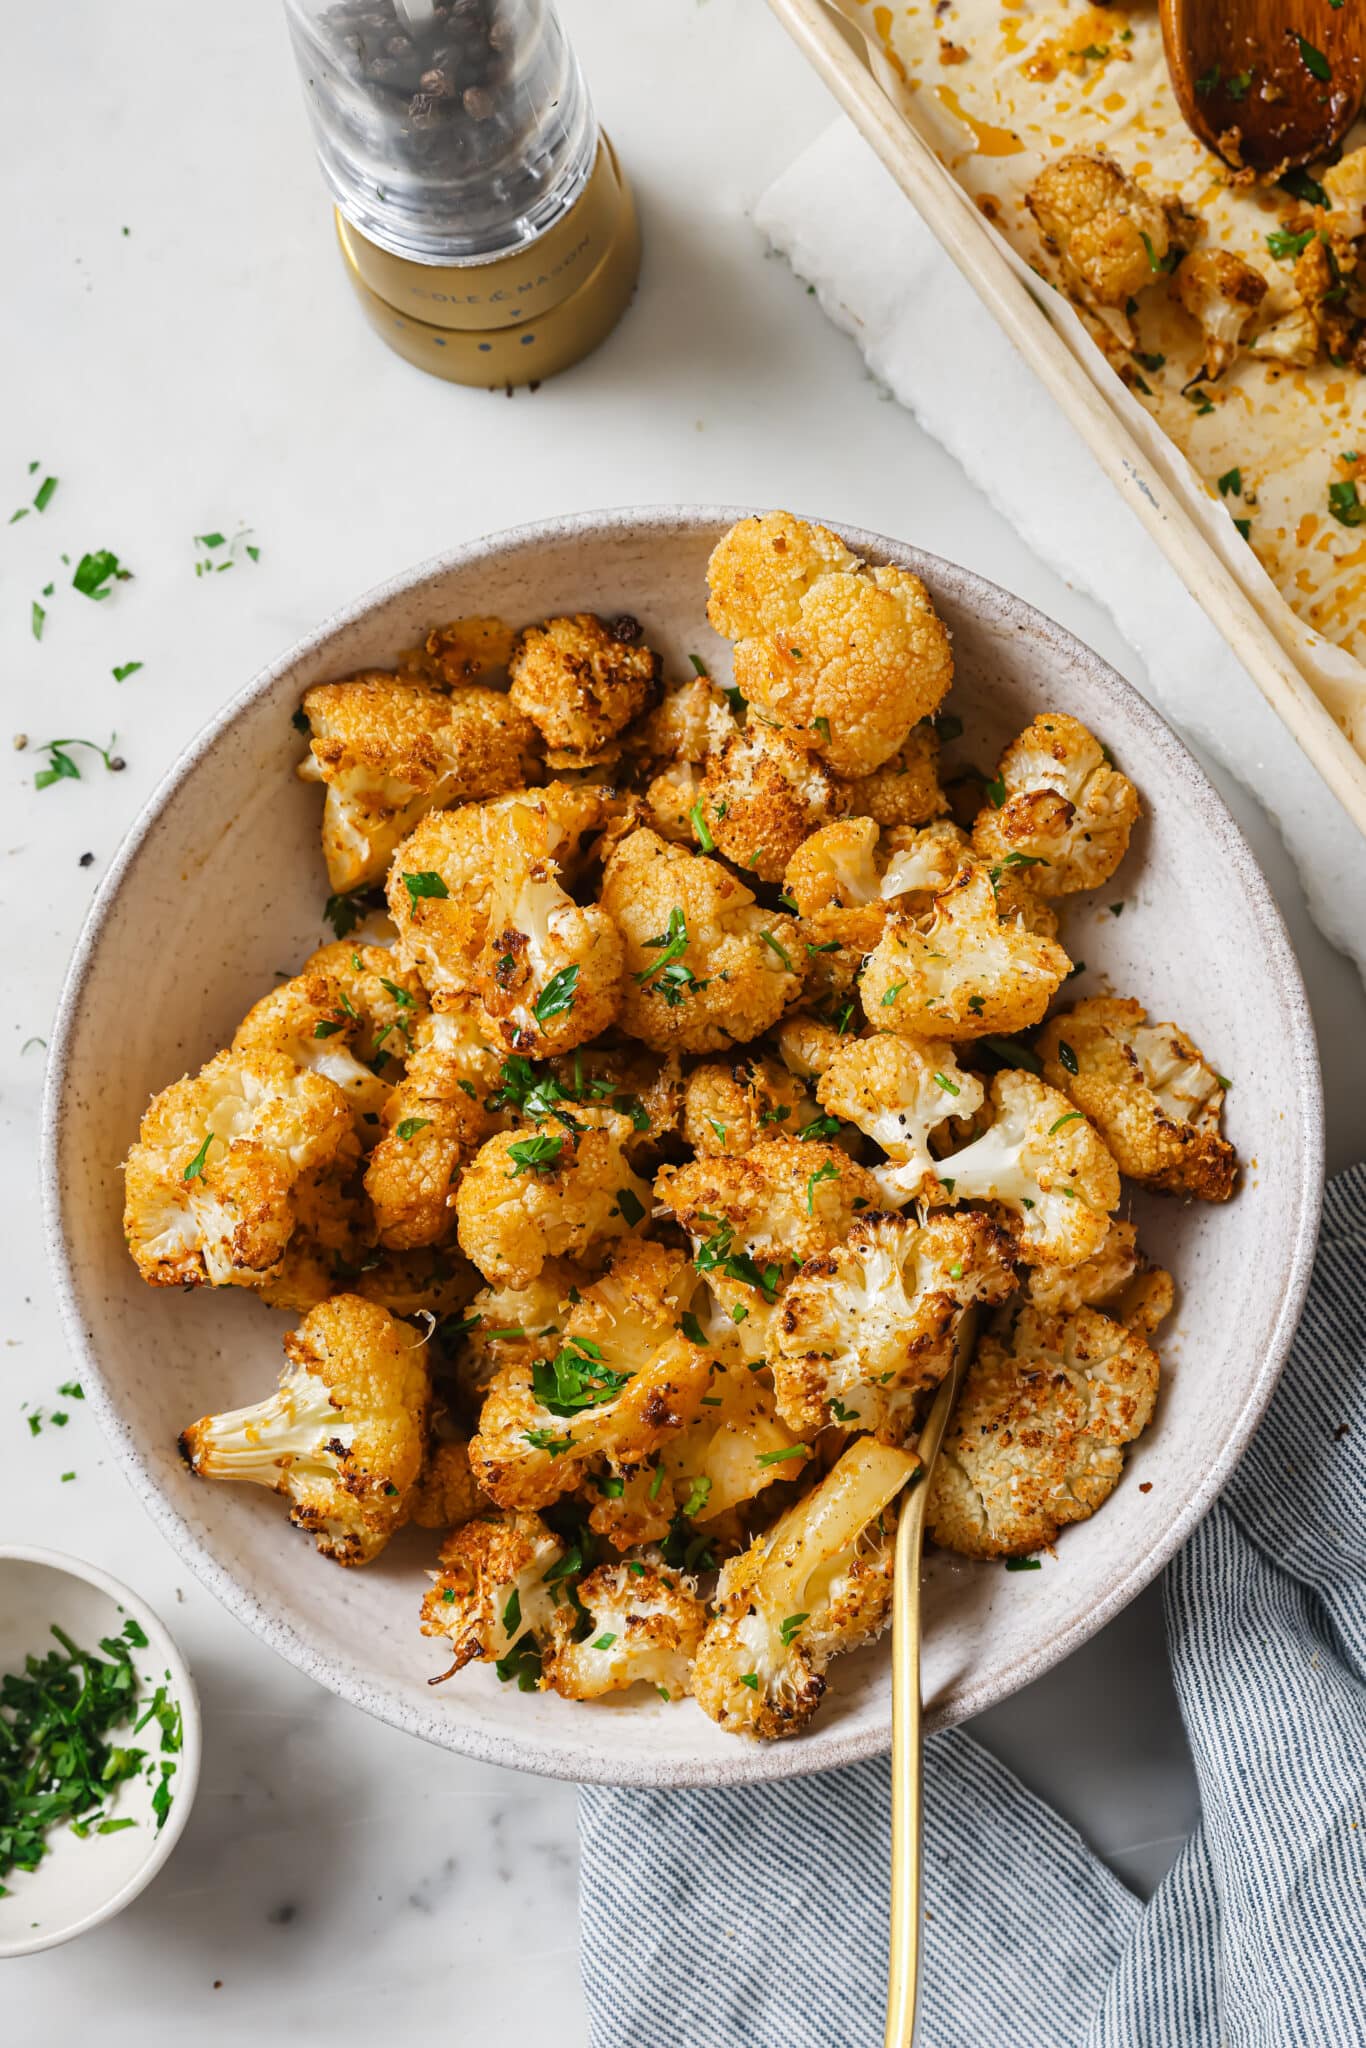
[[753, 1762], [191, 1740]]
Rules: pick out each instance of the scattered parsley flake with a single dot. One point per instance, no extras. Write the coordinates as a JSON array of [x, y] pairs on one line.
[[96, 572], [1231, 483], [195, 1169], [781, 951], [124, 670], [1314, 61], [781, 1457], [557, 996], [1067, 1058], [1024, 1564], [630, 1206], [701, 828], [410, 1127]]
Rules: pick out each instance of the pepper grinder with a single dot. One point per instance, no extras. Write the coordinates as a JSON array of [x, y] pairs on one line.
[[483, 217]]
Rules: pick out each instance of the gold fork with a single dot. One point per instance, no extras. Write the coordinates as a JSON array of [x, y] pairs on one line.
[[908, 1748]]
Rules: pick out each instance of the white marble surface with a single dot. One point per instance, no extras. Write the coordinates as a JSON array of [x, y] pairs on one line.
[[208, 370]]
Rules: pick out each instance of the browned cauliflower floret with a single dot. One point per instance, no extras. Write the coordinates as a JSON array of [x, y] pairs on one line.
[[1042, 1161], [866, 1326], [1318, 280], [532, 1195], [461, 650], [621, 1381], [447, 1492], [808, 1046], [785, 1201], [672, 747], [441, 883], [707, 967], [1112, 237], [1345, 184], [898, 1090], [391, 748], [761, 795], [495, 1592], [730, 1106], [434, 1121], [342, 1439], [1292, 340], [1223, 295], [816, 1583], [761, 569], [582, 683], [349, 1014], [849, 878], [967, 970], [509, 1325], [1065, 812], [1037, 1438], [549, 975], [904, 790], [733, 1451], [645, 1623], [1116, 1278], [227, 1163], [1149, 1091], [866, 658], [423, 1282]]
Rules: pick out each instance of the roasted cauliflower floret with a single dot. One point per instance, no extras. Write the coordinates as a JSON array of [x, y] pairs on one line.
[[761, 795], [1117, 1278], [435, 1120], [348, 1014], [905, 789], [808, 1046], [733, 1450], [730, 1106], [227, 1163], [1037, 1437], [1223, 295], [848, 878], [342, 1439], [424, 1282], [1066, 813], [898, 1090], [866, 658], [1112, 238], [644, 1626], [672, 747], [447, 1493], [1149, 1091], [1292, 340], [785, 1201], [529, 1196], [761, 569], [818, 1582], [582, 682], [391, 748], [1043, 1162], [507, 1325], [623, 1379], [496, 1589], [866, 1326], [967, 970], [1318, 280], [707, 967], [550, 971], [441, 884]]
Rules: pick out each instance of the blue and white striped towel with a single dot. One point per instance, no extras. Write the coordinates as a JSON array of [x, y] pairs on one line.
[[757, 1918]]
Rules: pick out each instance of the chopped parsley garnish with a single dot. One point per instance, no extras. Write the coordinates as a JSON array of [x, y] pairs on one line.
[[575, 1378], [691, 1328], [557, 996], [58, 1765], [1149, 361], [1067, 1058], [822, 725], [522, 1662], [1117, 909], [1024, 1564], [1314, 61], [1301, 186], [631, 1208], [196, 1166], [45, 493], [781, 1457], [604, 1642], [512, 1615], [781, 951], [996, 791], [701, 828], [410, 1127], [95, 573], [820, 1127], [751, 1679], [1199, 398], [539, 1154], [1072, 1116], [547, 1440], [37, 617], [889, 996], [1231, 483], [715, 1253], [63, 768], [1344, 503], [699, 666], [125, 669], [1244, 527], [827, 1170], [949, 1087], [424, 883], [699, 1493], [344, 913], [1285, 246], [789, 1626]]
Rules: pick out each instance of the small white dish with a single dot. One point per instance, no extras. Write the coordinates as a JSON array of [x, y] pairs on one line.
[[81, 1882], [221, 882]]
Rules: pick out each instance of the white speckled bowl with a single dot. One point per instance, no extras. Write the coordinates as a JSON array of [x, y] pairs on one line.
[[221, 882]]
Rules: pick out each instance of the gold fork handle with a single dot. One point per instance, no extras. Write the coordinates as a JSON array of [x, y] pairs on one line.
[[903, 1973]]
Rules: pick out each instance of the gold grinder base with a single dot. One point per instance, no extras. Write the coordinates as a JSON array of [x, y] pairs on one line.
[[517, 318]]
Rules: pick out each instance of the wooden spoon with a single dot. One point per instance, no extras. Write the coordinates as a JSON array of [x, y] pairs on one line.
[[908, 1751], [1267, 84]]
